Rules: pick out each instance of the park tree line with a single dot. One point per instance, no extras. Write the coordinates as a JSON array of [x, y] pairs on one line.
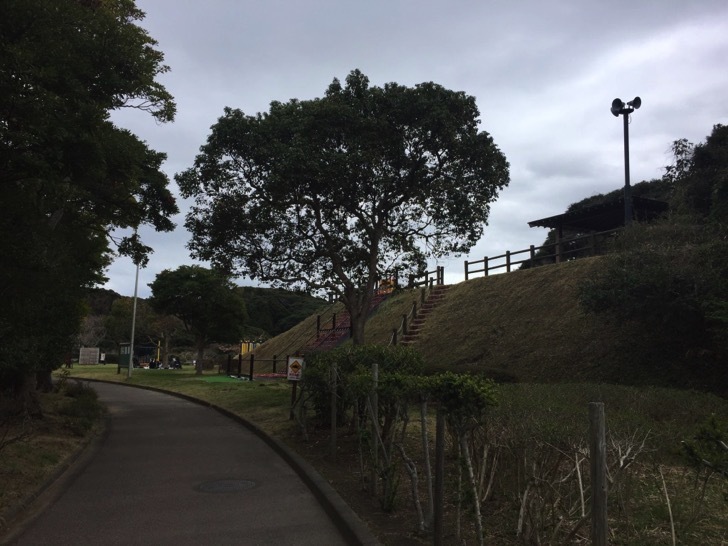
[[69, 177], [228, 314], [329, 195]]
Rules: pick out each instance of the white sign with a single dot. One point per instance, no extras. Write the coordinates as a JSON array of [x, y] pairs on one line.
[[295, 368], [89, 355]]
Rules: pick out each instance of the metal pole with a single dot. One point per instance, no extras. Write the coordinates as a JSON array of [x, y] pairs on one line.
[[627, 187], [133, 324]]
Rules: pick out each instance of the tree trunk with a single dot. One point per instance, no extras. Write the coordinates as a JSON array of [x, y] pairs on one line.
[[357, 304], [26, 397], [43, 381], [200, 354], [357, 329], [165, 350]]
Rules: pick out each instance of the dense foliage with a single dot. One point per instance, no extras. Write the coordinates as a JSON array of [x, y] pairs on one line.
[[68, 175], [273, 311], [707, 450], [206, 302], [667, 282], [339, 192]]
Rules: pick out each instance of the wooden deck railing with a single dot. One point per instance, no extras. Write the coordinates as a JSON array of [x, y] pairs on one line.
[[557, 252]]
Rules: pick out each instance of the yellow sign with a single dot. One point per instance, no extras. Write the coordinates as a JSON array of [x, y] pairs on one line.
[[295, 368]]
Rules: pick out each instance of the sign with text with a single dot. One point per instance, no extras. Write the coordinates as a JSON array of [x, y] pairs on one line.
[[295, 368]]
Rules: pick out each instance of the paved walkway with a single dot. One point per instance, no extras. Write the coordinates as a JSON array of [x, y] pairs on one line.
[[170, 471]]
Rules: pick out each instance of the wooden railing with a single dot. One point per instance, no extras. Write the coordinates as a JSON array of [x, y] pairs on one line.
[[557, 252], [429, 278], [407, 318], [248, 366]]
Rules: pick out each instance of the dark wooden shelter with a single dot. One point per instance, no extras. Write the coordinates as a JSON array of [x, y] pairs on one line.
[[601, 217]]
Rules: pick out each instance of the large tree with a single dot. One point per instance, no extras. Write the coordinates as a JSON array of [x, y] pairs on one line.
[[206, 302], [68, 176], [149, 326], [339, 192]]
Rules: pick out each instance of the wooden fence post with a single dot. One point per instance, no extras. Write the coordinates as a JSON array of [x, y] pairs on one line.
[[485, 265], [532, 252], [593, 244], [394, 336], [508, 261], [439, 477], [598, 454], [332, 445], [240, 365], [275, 357], [558, 249], [466, 270], [294, 387], [374, 400], [252, 359]]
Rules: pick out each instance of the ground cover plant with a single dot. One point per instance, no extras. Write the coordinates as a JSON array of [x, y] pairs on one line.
[[32, 449]]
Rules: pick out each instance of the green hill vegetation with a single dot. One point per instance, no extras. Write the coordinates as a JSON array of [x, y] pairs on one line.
[[527, 327], [273, 311], [653, 311]]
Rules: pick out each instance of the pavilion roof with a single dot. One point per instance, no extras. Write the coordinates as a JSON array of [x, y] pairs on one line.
[[604, 216]]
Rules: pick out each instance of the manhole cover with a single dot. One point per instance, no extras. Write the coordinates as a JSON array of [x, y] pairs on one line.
[[226, 486]]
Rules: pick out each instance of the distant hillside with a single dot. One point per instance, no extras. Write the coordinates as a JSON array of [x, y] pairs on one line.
[[99, 300], [272, 311], [525, 326]]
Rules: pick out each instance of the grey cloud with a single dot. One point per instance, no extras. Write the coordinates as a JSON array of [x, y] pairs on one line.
[[543, 73]]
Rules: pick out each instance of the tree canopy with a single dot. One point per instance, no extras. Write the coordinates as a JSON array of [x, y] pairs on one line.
[[204, 300], [68, 175], [338, 192]]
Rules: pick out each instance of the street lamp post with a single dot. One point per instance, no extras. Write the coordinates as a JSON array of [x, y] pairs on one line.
[[133, 323], [620, 108]]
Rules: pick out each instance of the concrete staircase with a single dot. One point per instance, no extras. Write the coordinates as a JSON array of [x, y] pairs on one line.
[[437, 295]]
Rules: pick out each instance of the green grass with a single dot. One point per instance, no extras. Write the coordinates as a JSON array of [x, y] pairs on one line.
[[42, 444], [525, 330], [525, 326], [262, 402], [544, 418]]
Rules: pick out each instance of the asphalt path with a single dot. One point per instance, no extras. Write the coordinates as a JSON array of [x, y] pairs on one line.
[[169, 471]]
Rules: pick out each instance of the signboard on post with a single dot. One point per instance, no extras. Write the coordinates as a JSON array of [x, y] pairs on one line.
[[88, 355], [295, 368]]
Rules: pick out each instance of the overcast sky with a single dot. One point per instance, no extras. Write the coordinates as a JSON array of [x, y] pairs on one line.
[[544, 74]]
